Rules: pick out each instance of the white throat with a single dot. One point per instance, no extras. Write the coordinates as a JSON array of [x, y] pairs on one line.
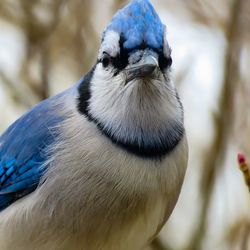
[[142, 111]]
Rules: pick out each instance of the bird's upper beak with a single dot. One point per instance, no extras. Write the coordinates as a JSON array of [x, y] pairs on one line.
[[146, 67]]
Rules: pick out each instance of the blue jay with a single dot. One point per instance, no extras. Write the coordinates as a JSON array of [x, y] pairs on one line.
[[99, 166]]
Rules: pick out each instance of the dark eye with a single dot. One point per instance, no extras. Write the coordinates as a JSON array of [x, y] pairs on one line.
[[169, 62], [106, 59], [165, 62]]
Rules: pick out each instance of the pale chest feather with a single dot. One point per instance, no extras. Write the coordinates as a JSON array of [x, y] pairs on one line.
[[100, 199], [125, 199]]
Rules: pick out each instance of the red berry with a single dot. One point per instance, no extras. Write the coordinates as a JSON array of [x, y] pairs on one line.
[[241, 158]]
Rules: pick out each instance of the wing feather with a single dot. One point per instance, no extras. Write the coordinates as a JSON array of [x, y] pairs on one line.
[[24, 147]]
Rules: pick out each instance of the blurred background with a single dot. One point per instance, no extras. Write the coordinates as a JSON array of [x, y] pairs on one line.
[[46, 46]]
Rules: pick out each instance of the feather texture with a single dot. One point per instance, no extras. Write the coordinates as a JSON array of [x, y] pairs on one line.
[[23, 150], [139, 24], [72, 158]]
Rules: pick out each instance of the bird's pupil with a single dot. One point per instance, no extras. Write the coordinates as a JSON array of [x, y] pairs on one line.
[[105, 60], [164, 62]]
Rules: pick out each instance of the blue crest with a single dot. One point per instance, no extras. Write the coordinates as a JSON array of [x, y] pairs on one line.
[[139, 24]]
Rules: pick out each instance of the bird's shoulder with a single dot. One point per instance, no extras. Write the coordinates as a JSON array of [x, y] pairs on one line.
[[24, 148]]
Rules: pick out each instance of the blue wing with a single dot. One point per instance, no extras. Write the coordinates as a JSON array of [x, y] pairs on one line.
[[23, 150]]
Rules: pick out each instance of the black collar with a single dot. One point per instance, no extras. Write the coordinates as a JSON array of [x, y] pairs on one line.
[[168, 141]]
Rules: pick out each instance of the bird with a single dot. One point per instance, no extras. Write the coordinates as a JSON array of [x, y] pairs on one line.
[[101, 165]]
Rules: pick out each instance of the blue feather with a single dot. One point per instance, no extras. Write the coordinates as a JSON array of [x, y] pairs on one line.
[[23, 150], [139, 24]]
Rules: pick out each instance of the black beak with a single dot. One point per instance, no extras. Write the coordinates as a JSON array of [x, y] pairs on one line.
[[144, 68]]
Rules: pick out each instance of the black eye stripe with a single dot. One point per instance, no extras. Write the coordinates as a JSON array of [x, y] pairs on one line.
[[106, 59], [164, 62], [121, 61]]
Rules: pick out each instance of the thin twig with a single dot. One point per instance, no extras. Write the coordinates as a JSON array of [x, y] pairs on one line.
[[157, 244], [213, 161], [244, 168]]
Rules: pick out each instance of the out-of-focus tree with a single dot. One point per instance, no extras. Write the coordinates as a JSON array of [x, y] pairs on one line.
[[56, 33]]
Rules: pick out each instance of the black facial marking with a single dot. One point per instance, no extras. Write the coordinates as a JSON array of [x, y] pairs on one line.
[[121, 60], [106, 59], [84, 92], [164, 62], [170, 138]]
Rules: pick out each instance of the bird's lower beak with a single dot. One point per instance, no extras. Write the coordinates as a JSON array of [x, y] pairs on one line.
[[144, 68]]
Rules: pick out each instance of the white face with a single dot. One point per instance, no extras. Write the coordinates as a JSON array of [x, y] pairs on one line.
[[138, 106]]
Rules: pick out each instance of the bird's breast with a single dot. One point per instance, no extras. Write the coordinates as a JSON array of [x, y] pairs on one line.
[[112, 198], [95, 196]]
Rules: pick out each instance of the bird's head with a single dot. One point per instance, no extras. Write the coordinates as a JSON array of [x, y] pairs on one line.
[[134, 47], [130, 95]]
